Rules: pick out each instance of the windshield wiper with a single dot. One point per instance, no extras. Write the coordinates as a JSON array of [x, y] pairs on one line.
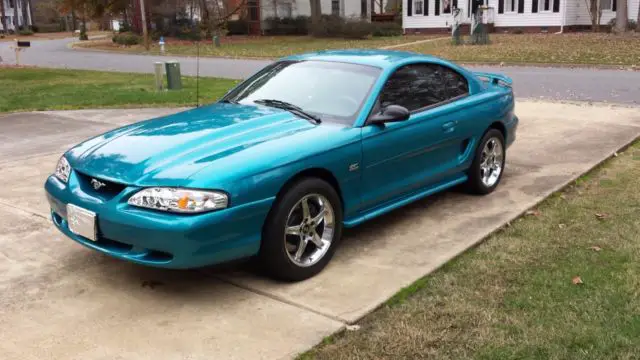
[[289, 107], [228, 101]]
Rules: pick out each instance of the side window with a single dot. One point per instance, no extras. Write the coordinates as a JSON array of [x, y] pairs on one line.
[[421, 85], [455, 83]]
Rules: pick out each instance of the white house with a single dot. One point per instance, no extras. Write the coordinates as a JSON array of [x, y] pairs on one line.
[[9, 13], [293, 8], [424, 16]]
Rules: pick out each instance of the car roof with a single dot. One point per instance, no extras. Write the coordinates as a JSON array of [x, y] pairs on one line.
[[372, 57]]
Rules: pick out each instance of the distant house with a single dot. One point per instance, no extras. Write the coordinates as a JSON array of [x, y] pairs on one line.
[[12, 21], [425, 16], [258, 11]]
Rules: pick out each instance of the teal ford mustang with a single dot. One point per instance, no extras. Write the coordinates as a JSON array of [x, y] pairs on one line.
[[275, 169]]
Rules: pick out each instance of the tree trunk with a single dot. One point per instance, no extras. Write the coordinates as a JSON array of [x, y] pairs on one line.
[[16, 18], [594, 14], [638, 20], [622, 16], [31, 12], [316, 11], [25, 16], [3, 18], [73, 17]]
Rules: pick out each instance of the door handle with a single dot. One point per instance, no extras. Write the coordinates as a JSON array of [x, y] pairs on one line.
[[449, 126]]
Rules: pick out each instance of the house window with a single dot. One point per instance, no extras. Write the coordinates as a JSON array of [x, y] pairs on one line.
[[510, 5], [552, 5], [363, 8], [11, 2], [335, 7], [419, 7], [286, 10], [608, 5], [446, 6]]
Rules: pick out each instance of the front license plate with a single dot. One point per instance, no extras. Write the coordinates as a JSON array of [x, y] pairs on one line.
[[81, 221]]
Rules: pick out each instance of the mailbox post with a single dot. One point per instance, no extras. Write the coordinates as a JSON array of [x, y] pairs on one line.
[[20, 46]]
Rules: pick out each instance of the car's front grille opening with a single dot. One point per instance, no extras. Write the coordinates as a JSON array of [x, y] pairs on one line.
[[158, 256], [114, 246], [98, 187], [122, 249]]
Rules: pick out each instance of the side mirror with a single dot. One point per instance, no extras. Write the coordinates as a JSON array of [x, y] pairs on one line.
[[391, 113]]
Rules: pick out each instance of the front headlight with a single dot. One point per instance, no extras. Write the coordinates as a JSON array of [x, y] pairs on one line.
[[179, 200], [63, 169]]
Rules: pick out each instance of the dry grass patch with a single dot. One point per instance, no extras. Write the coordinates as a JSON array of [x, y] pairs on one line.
[[513, 296], [258, 47], [571, 48]]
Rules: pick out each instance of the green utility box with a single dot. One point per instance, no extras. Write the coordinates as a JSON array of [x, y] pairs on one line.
[[174, 79]]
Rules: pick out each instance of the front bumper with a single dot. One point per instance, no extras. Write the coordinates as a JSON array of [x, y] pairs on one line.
[[158, 238]]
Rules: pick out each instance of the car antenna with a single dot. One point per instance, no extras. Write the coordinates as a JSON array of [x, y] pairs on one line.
[[197, 73]]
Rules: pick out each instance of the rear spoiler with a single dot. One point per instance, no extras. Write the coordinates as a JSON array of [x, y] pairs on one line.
[[495, 79]]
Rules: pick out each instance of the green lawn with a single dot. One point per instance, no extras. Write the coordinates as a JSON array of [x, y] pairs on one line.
[[266, 46], [571, 48], [514, 296], [45, 89]]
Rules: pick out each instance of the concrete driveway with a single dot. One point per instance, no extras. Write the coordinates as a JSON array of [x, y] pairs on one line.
[[59, 300]]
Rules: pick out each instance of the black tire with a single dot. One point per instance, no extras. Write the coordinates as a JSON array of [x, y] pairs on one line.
[[475, 185], [273, 254]]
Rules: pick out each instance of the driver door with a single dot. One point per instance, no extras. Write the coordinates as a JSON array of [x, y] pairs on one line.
[[401, 157]]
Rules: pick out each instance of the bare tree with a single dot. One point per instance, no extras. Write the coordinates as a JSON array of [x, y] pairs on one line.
[[3, 18], [622, 16], [25, 15], [595, 13], [16, 19], [316, 11]]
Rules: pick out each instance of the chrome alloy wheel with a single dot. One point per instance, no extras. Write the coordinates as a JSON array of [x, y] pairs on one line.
[[492, 162], [309, 230]]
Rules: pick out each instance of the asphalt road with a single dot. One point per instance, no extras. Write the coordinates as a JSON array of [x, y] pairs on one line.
[[618, 86]]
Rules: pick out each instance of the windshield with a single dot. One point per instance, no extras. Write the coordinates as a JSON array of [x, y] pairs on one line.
[[330, 90]]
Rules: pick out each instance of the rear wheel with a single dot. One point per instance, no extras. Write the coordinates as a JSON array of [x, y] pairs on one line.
[[302, 230], [488, 164]]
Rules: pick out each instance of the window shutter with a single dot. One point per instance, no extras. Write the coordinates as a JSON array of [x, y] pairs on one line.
[[500, 6], [436, 11], [520, 6], [614, 5], [556, 5], [409, 7], [426, 7], [534, 6]]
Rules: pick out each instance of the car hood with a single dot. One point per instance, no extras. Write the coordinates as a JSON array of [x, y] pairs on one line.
[[169, 150]]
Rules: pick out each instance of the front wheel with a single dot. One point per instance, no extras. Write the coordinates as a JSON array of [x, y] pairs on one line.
[[488, 164], [302, 230]]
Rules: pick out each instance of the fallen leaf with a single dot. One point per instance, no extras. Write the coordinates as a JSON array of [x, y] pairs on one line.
[[602, 216], [595, 248], [576, 280], [534, 212], [561, 226], [353, 327], [615, 154]]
